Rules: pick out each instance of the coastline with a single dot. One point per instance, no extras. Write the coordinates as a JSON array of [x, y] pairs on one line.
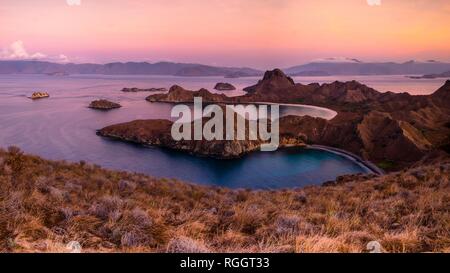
[[364, 163]]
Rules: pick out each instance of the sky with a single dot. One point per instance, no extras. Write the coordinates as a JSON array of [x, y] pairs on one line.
[[253, 33]]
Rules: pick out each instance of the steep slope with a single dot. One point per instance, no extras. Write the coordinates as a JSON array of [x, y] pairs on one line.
[[272, 81], [442, 95], [45, 204], [385, 138]]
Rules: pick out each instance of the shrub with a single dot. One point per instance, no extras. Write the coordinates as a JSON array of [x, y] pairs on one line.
[[186, 245]]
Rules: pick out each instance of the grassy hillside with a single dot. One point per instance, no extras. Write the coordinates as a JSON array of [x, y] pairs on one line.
[[46, 204]]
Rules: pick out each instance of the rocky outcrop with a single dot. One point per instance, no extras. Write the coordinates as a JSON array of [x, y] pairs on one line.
[[39, 95], [272, 80], [179, 94], [222, 86], [104, 105], [135, 89]]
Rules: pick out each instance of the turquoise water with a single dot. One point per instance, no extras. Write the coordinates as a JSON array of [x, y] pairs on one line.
[[62, 127]]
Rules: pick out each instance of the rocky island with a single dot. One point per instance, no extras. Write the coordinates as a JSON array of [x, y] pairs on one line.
[[433, 76], [135, 89], [222, 86], [39, 95], [104, 105], [393, 130], [58, 74]]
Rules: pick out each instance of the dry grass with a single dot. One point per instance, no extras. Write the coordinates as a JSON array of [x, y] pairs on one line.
[[46, 204]]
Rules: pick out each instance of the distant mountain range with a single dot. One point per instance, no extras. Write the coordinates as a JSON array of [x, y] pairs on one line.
[[326, 67], [129, 68], [356, 67]]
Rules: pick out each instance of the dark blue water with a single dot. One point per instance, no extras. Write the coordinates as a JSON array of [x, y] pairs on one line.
[[62, 127]]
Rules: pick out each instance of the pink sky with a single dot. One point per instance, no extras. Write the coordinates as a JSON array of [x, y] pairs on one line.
[[257, 33]]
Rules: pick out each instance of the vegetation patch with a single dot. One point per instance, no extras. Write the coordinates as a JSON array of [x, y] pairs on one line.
[[47, 204]]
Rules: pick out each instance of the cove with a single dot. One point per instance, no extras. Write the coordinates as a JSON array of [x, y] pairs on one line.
[[63, 128]]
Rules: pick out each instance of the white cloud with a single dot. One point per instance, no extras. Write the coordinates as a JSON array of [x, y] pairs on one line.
[[73, 2], [17, 51], [374, 2], [63, 58]]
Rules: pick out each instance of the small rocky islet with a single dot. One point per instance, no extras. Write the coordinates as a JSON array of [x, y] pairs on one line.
[[39, 95], [223, 86], [104, 105]]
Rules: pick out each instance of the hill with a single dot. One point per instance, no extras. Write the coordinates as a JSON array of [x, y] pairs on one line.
[[46, 204]]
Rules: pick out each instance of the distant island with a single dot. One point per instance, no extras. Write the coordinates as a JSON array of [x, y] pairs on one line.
[[432, 76], [310, 74], [356, 67], [135, 89], [58, 74]]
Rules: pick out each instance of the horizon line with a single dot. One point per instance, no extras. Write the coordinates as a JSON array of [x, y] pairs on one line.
[[325, 61]]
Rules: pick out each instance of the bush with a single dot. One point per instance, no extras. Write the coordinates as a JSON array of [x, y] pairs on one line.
[[186, 245]]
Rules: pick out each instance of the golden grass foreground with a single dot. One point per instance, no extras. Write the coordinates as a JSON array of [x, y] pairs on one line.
[[47, 204]]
